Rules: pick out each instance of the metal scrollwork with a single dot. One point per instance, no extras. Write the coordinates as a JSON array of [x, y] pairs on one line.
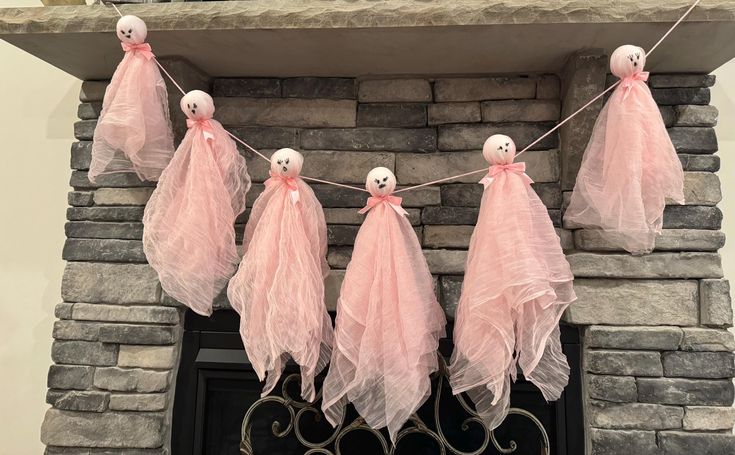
[[298, 409]]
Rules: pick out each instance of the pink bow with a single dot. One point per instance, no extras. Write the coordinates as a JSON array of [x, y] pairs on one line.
[[143, 48], [205, 125], [628, 82], [393, 201], [496, 169], [290, 183]]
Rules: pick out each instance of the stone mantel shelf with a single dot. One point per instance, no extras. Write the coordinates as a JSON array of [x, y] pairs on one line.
[[364, 37]]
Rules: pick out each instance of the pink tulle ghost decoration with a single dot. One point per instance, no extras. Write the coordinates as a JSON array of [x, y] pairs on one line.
[[630, 166], [388, 319], [517, 284], [279, 288], [133, 133], [189, 222]]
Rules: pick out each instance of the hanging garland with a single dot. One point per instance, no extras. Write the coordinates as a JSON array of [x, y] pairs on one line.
[[383, 349]]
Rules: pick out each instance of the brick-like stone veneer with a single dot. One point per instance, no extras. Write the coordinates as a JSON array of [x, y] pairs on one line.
[[657, 353]]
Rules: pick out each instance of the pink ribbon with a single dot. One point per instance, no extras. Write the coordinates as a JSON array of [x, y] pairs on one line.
[[496, 169], [143, 48], [205, 125], [290, 183], [629, 81], [393, 201]]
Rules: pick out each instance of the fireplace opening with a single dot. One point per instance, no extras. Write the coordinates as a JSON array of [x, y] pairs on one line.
[[216, 387]]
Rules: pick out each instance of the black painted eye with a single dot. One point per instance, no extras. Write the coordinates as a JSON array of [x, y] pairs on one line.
[[195, 105], [500, 148], [188, 106], [377, 181], [130, 31], [287, 160], [122, 31], [385, 179], [279, 161]]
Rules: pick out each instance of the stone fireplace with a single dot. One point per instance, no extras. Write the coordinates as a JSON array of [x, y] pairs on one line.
[[655, 356]]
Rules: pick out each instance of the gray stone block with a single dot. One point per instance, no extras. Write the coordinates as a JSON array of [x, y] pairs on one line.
[[341, 234], [486, 88], [63, 310], [709, 365], [656, 265], [702, 188], [94, 230], [716, 304], [159, 357], [709, 418], [291, 112], [652, 338], [548, 87], [320, 87], [707, 163], [394, 90], [693, 139], [624, 363], [90, 400], [84, 129], [686, 443], [131, 380], [676, 96], [703, 392], [635, 416], [265, 137], [146, 402], [51, 450], [339, 257], [681, 80], [520, 111], [701, 339], [83, 353], [429, 195], [103, 250], [443, 113], [74, 330], [691, 115], [116, 313], [381, 139], [80, 198], [470, 195], [80, 181], [634, 302], [692, 217], [616, 442], [93, 91], [391, 115], [109, 429], [122, 196], [109, 283], [138, 334], [89, 111], [620, 389], [668, 115], [446, 262], [447, 236], [669, 240], [70, 377], [471, 136], [332, 285], [255, 87], [451, 289], [449, 215], [104, 213]]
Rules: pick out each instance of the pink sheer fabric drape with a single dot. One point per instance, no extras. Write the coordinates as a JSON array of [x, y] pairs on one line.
[[630, 166], [517, 284], [388, 320], [279, 288], [189, 233], [133, 133]]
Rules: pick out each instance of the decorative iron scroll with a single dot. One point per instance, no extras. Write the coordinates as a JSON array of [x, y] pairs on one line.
[[297, 409]]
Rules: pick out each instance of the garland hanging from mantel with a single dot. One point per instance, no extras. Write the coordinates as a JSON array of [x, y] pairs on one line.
[[383, 346]]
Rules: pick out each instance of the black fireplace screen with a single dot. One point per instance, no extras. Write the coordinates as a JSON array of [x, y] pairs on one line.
[[217, 390]]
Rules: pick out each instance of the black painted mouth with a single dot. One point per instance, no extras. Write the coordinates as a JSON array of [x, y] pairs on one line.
[[284, 168], [381, 186]]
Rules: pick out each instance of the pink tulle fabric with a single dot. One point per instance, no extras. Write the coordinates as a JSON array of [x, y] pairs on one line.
[[388, 320], [279, 288], [133, 133], [630, 166], [189, 222], [517, 284]]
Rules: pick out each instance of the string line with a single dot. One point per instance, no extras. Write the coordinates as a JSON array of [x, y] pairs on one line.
[[453, 177]]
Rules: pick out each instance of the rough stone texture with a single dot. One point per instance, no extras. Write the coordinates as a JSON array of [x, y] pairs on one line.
[[684, 443], [621, 389], [122, 196], [716, 303], [116, 313], [80, 198], [70, 377], [709, 418], [705, 392], [103, 250], [83, 353], [713, 365], [95, 230], [104, 213], [147, 356], [109, 429], [109, 283], [624, 363], [131, 380], [63, 310], [470, 195], [692, 217], [702, 188], [138, 402], [391, 115], [701, 339], [478, 89], [635, 416], [265, 137], [395, 140], [319, 87], [669, 240], [93, 91], [708, 163], [90, 401], [471, 136], [447, 236], [681, 80], [260, 87], [616, 442], [446, 261], [672, 96], [520, 111], [694, 140], [138, 334], [394, 90], [301, 113], [548, 86], [696, 115], [652, 338], [656, 265], [634, 302], [443, 113]]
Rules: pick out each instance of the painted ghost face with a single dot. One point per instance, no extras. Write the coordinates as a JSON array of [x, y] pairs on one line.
[[627, 60], [287, 163], [197, 105], [380, 181], [131, 30], [499, 149]]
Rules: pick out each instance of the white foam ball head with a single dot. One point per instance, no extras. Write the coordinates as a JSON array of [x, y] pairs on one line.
[[131, 30], [197, 105], [380, 181], [627, 60], [287, 162], [499, 149]]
